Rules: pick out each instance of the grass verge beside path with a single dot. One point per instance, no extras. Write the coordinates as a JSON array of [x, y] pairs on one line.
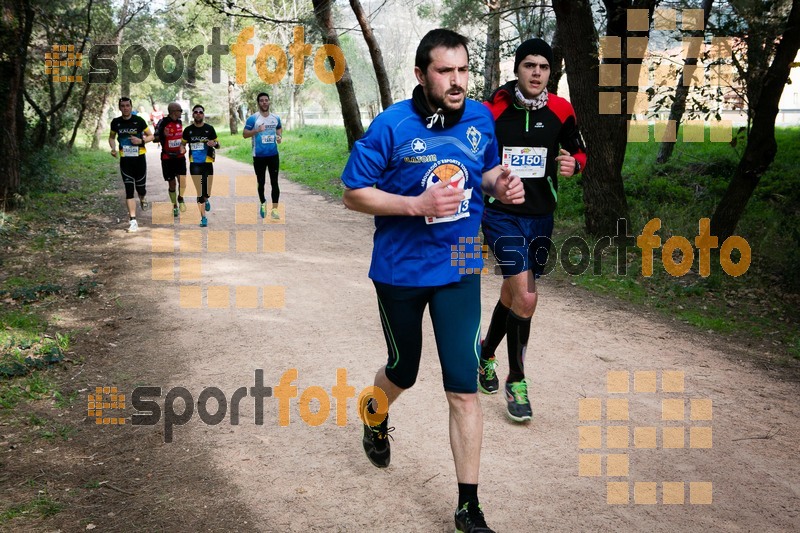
[[65, 199], [69, 324], [62, 194], [760, 305]]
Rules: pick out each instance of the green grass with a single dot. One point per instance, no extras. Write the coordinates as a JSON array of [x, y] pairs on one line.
[[58, 181], [313, 155], [57, 431], [41, 506], [34, 386], [680, 193], [74, 186], [25, 343], [65, 400]]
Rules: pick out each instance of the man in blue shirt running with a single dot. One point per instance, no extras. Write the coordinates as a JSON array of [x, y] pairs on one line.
[[420, 169], [266, 132]]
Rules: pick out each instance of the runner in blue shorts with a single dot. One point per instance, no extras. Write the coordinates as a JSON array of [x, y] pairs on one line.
[[539, 139], [420, 169]]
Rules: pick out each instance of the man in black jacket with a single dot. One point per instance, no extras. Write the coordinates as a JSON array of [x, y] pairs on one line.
[[539, 138]]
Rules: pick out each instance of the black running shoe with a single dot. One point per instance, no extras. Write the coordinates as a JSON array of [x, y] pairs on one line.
[[469, 519], [519, 406], [487, 377], [376, 443]]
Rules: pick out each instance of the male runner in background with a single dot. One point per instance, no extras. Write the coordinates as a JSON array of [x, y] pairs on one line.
[[133, 133], [266, 132], [201, 138], [155, 116], [531, 125], [169, 134]]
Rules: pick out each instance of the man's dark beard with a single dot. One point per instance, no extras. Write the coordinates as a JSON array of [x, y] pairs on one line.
[[423, 109], [444, 106]]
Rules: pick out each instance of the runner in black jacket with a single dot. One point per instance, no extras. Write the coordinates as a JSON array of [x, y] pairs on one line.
[[539, 138]]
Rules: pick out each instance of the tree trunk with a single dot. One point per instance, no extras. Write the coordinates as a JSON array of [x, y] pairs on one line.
[[301, 114], [81, 114], [59, 97], [491, 71], [761, 145], [678, 107], [384, 87], [106, 87], [16, 25], [232, 123], [557, 68], [605, 134], [347, 95], [101, 118], [293, 118]]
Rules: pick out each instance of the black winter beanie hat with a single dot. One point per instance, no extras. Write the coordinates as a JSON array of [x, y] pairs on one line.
[[536, 47]]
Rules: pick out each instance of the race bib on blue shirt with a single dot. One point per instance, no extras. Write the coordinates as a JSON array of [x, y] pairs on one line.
[[199, 151]]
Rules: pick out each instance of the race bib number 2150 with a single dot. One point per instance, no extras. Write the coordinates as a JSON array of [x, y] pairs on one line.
[[525, 161]]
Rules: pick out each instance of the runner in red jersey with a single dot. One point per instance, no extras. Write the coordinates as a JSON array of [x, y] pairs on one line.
[[169, 132]]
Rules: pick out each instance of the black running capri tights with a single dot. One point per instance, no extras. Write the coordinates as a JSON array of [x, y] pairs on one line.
[[455, 311], [134, 175]]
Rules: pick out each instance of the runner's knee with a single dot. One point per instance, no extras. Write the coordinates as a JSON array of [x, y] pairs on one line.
[[465, 403], [524, 302], [402, 377]]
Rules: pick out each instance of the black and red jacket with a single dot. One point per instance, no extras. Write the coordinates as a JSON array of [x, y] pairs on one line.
[[549, 127]]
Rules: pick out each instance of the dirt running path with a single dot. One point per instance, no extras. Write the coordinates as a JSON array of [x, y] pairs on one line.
[[303, 478]]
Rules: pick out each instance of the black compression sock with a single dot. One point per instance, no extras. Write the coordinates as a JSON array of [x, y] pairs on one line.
[[497, 330], [519, 330]]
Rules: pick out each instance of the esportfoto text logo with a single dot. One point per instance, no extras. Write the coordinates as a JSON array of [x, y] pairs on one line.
[[169, 63], [149, 412]]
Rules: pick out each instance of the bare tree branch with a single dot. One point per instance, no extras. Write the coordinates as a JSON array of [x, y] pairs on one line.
[[245, 12]]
